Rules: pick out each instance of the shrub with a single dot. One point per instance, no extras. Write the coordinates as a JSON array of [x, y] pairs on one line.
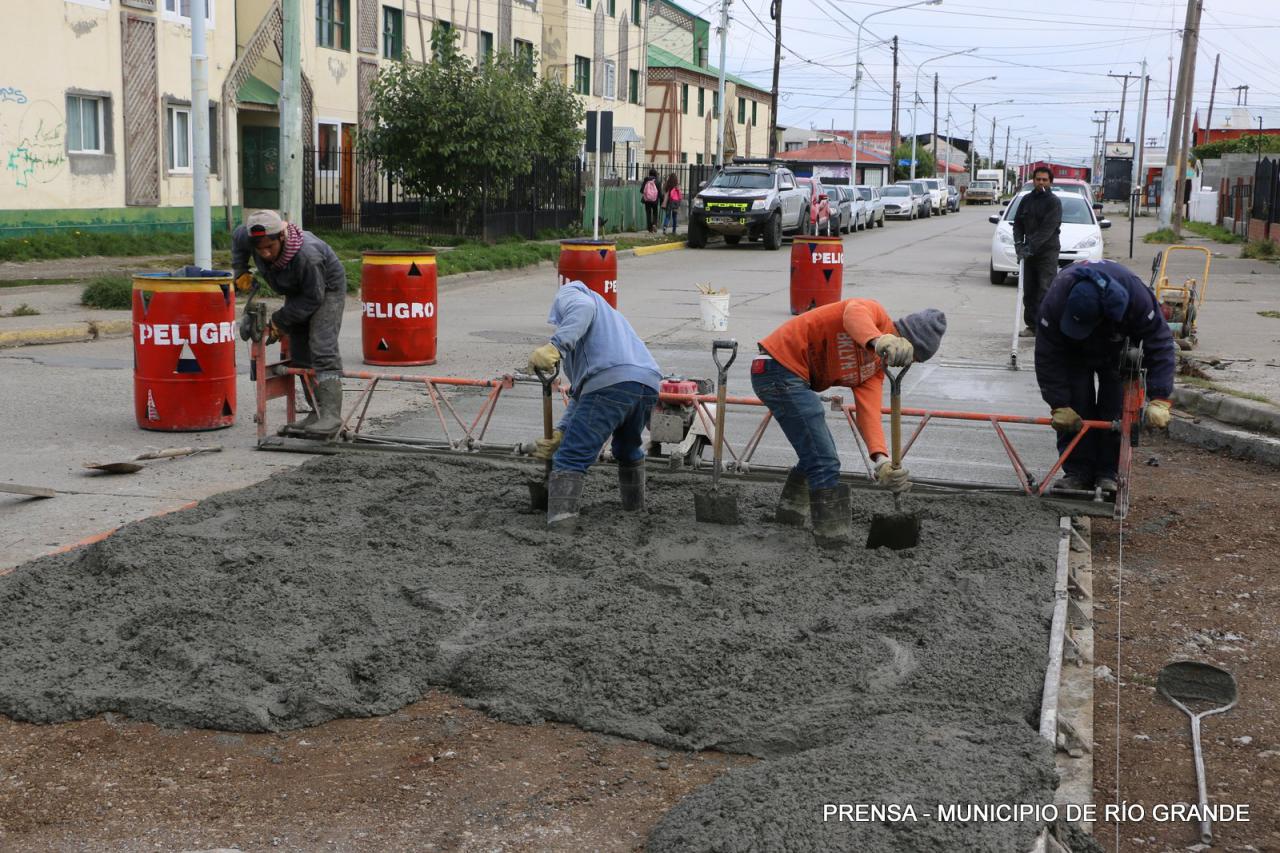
[[109, 292]]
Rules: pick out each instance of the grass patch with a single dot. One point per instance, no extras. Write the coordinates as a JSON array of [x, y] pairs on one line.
[[82, 244], [1214, 232], [1164, 235], [113, 292], [24, 310], [1260, 250], [1274, 315], [1209, 385]]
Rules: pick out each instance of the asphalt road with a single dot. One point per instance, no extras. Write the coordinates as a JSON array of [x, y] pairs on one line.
[[72, 403]]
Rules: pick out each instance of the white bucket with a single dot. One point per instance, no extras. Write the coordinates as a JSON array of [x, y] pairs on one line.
[[715, 312]]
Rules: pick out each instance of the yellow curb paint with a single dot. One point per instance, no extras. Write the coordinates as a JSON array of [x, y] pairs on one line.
[[111, 328], [641, 251], [54, 335], [399, 260]]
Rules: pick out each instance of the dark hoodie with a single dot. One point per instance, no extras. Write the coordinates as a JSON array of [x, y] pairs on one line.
[[1037, 222]]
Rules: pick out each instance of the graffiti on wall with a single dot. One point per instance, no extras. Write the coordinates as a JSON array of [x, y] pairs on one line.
[[32, 137], [9, 93]]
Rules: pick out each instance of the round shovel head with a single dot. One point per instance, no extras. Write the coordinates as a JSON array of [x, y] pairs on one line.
[[117, 467], [1188, 681]]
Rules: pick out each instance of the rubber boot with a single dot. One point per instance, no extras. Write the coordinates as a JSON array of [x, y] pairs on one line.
[[631, 485], [793, 505], [564, 492], [299, 426], [832, 519], [329, 402]]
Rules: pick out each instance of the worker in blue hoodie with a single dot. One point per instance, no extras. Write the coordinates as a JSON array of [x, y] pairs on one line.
[[613, 386], [1093, 311]]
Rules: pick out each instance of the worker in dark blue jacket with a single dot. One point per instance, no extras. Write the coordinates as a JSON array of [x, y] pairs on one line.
[[1093, 311]]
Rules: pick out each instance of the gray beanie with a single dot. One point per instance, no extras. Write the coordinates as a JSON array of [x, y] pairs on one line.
[[924, 329]]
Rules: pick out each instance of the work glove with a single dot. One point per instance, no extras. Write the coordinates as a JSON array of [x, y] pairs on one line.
[[896, 480], [544, 358], [1020, 249], [1066, 419], [545, 448], [893, 350], [244, 282], [273, 332], [246, 327], [1158, 414]]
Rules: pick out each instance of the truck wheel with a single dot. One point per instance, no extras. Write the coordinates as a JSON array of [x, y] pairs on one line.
[[697, 235], [773, 233], [733, 239]]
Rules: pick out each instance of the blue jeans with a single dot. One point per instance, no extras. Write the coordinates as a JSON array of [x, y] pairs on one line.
[[620, 410], [669, 217], [803, 419]]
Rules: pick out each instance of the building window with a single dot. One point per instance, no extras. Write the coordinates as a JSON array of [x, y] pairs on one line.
[[180, 10], [755, 116], [582, 75], [698, 159], [586, 4], [633, 93], [327, 148], [715, 104], [636, 13], [523, 51], [742, 110], [84, 124], [486, 46], [684, 156], [684, 98], [613, 8], [178, 139], [392, 33], [610, 79], [702, 102], [333, 24], [702, 56]]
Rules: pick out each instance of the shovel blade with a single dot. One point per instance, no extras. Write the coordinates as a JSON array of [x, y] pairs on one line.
[[117, 467], [716, 506], [896, 530], [538, 495]]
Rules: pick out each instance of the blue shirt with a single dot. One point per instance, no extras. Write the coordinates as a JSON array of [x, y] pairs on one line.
[[597, 345]]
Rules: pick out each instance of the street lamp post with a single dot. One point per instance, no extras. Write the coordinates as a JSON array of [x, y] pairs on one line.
[[916, 100], [857, 78], [947, 175]]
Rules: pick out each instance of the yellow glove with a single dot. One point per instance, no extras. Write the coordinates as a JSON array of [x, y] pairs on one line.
[[1066, 419], [896, 480], [893, 350], [1158, 413], [244, 283], [545, 448], [272, 333], [544, 358]]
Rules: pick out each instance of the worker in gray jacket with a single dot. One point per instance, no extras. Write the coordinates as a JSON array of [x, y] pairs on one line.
[[302, 268]]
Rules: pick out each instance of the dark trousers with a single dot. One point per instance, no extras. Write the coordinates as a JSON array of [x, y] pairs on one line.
[[651, 214], [314, 342], [1098, 453], [1040, 270]]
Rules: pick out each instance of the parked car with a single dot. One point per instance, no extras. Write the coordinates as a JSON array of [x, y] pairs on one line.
[[899, 203], [751, 198], [861, 213], [874, 205], [980, 192], [843, 213], [819, 207], [953, 198], [1080, 235], [924, 202], [937, 194]]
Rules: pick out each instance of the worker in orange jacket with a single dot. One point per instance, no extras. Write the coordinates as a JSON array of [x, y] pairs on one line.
[[844, 343]]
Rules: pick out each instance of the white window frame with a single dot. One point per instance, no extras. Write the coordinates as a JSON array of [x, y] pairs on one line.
[[171, 10], [101, 140], [171, 122], [610, 80], [336, 151]]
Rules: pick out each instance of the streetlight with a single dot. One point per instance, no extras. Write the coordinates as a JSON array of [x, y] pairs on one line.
[[947, 176], [857, 76], [916, 100]]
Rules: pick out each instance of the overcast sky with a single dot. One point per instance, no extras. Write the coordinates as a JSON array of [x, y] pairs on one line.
[[1050, 59]]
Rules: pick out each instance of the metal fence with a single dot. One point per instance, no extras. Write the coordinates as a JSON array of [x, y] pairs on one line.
[[343, 191], [1266, 194]]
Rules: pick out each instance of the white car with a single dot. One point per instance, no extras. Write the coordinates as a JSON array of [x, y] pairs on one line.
[[938, 193], [1080, 236]]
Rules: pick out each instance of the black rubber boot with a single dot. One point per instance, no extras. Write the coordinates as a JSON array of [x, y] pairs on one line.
[[301, 425], [832, 519], [329, 402], [793, 505], [631, 485], [564, 493]]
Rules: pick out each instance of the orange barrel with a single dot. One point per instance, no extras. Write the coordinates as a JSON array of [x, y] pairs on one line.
[[592, 262], [398, 307], [817, 272], [184, 351]]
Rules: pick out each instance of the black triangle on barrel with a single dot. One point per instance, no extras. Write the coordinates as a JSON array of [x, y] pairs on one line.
[[227, 411], [604, 253], [813, 247], [383, 345], [226, 293], [413, 270], [828, 273]]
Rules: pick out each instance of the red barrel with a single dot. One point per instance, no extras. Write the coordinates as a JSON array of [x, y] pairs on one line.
[[398, 307], [592, 262], [184, 351], [817, 272]]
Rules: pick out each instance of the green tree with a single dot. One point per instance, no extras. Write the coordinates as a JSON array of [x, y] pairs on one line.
[[925, 164], [1264, 143], [450, 131]]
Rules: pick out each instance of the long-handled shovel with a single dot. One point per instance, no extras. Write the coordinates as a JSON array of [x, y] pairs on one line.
[[1017, 316], [538, 488], [136, 465], [1188, 681], [716, 506], [896, 530]]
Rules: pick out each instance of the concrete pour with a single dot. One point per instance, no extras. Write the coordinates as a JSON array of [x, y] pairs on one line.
[[349, 586]]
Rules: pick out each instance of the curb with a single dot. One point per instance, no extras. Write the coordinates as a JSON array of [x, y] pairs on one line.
[[77, 332], [1213, 435], [1227, 409]]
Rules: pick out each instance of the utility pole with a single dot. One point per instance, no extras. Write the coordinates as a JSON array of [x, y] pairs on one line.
[[291, 114], [1099, 138], [1138, 180], [973, 146], [1106, 119], [894, 140], [200, 224], [1184, 139], [1238, 90], [1213, 93], [1124, 96], [724, 35], [1004, 170], [935, 125], [991, 162], [1171, 180], [775, 11]]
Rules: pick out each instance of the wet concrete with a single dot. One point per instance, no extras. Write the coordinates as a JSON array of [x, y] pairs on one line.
[[349, 586]]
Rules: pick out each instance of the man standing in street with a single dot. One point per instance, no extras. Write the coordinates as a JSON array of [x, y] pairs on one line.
[[1035, 239], [302, 268], [1093, 311], [844, 343], [613, 386]]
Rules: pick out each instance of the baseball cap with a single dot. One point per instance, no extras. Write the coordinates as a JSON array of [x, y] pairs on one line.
[[1094, 297], [264, 223]]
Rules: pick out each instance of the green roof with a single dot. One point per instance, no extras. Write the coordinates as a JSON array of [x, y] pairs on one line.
[[659, 58], [680, 8], [254, 91]]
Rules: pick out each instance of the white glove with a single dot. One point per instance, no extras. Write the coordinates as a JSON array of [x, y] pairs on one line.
[[896, 480], [893, 350]]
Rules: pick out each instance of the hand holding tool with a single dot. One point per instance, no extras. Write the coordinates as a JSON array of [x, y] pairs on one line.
[[894, 350], [1158, 412], [544, 358], [245, 282], [1066, 419]]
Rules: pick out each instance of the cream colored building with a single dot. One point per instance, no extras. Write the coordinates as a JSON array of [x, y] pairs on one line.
[[681, 123], [95, 114]]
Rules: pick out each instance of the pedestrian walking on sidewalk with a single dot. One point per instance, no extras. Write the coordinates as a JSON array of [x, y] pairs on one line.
[[651, 195], [671, 197], [1094, 311], [613, 387], [844, 343], [305, 271], [1035, 240]]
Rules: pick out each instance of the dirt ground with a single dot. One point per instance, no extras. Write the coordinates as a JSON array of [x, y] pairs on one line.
[[1200, 583]]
